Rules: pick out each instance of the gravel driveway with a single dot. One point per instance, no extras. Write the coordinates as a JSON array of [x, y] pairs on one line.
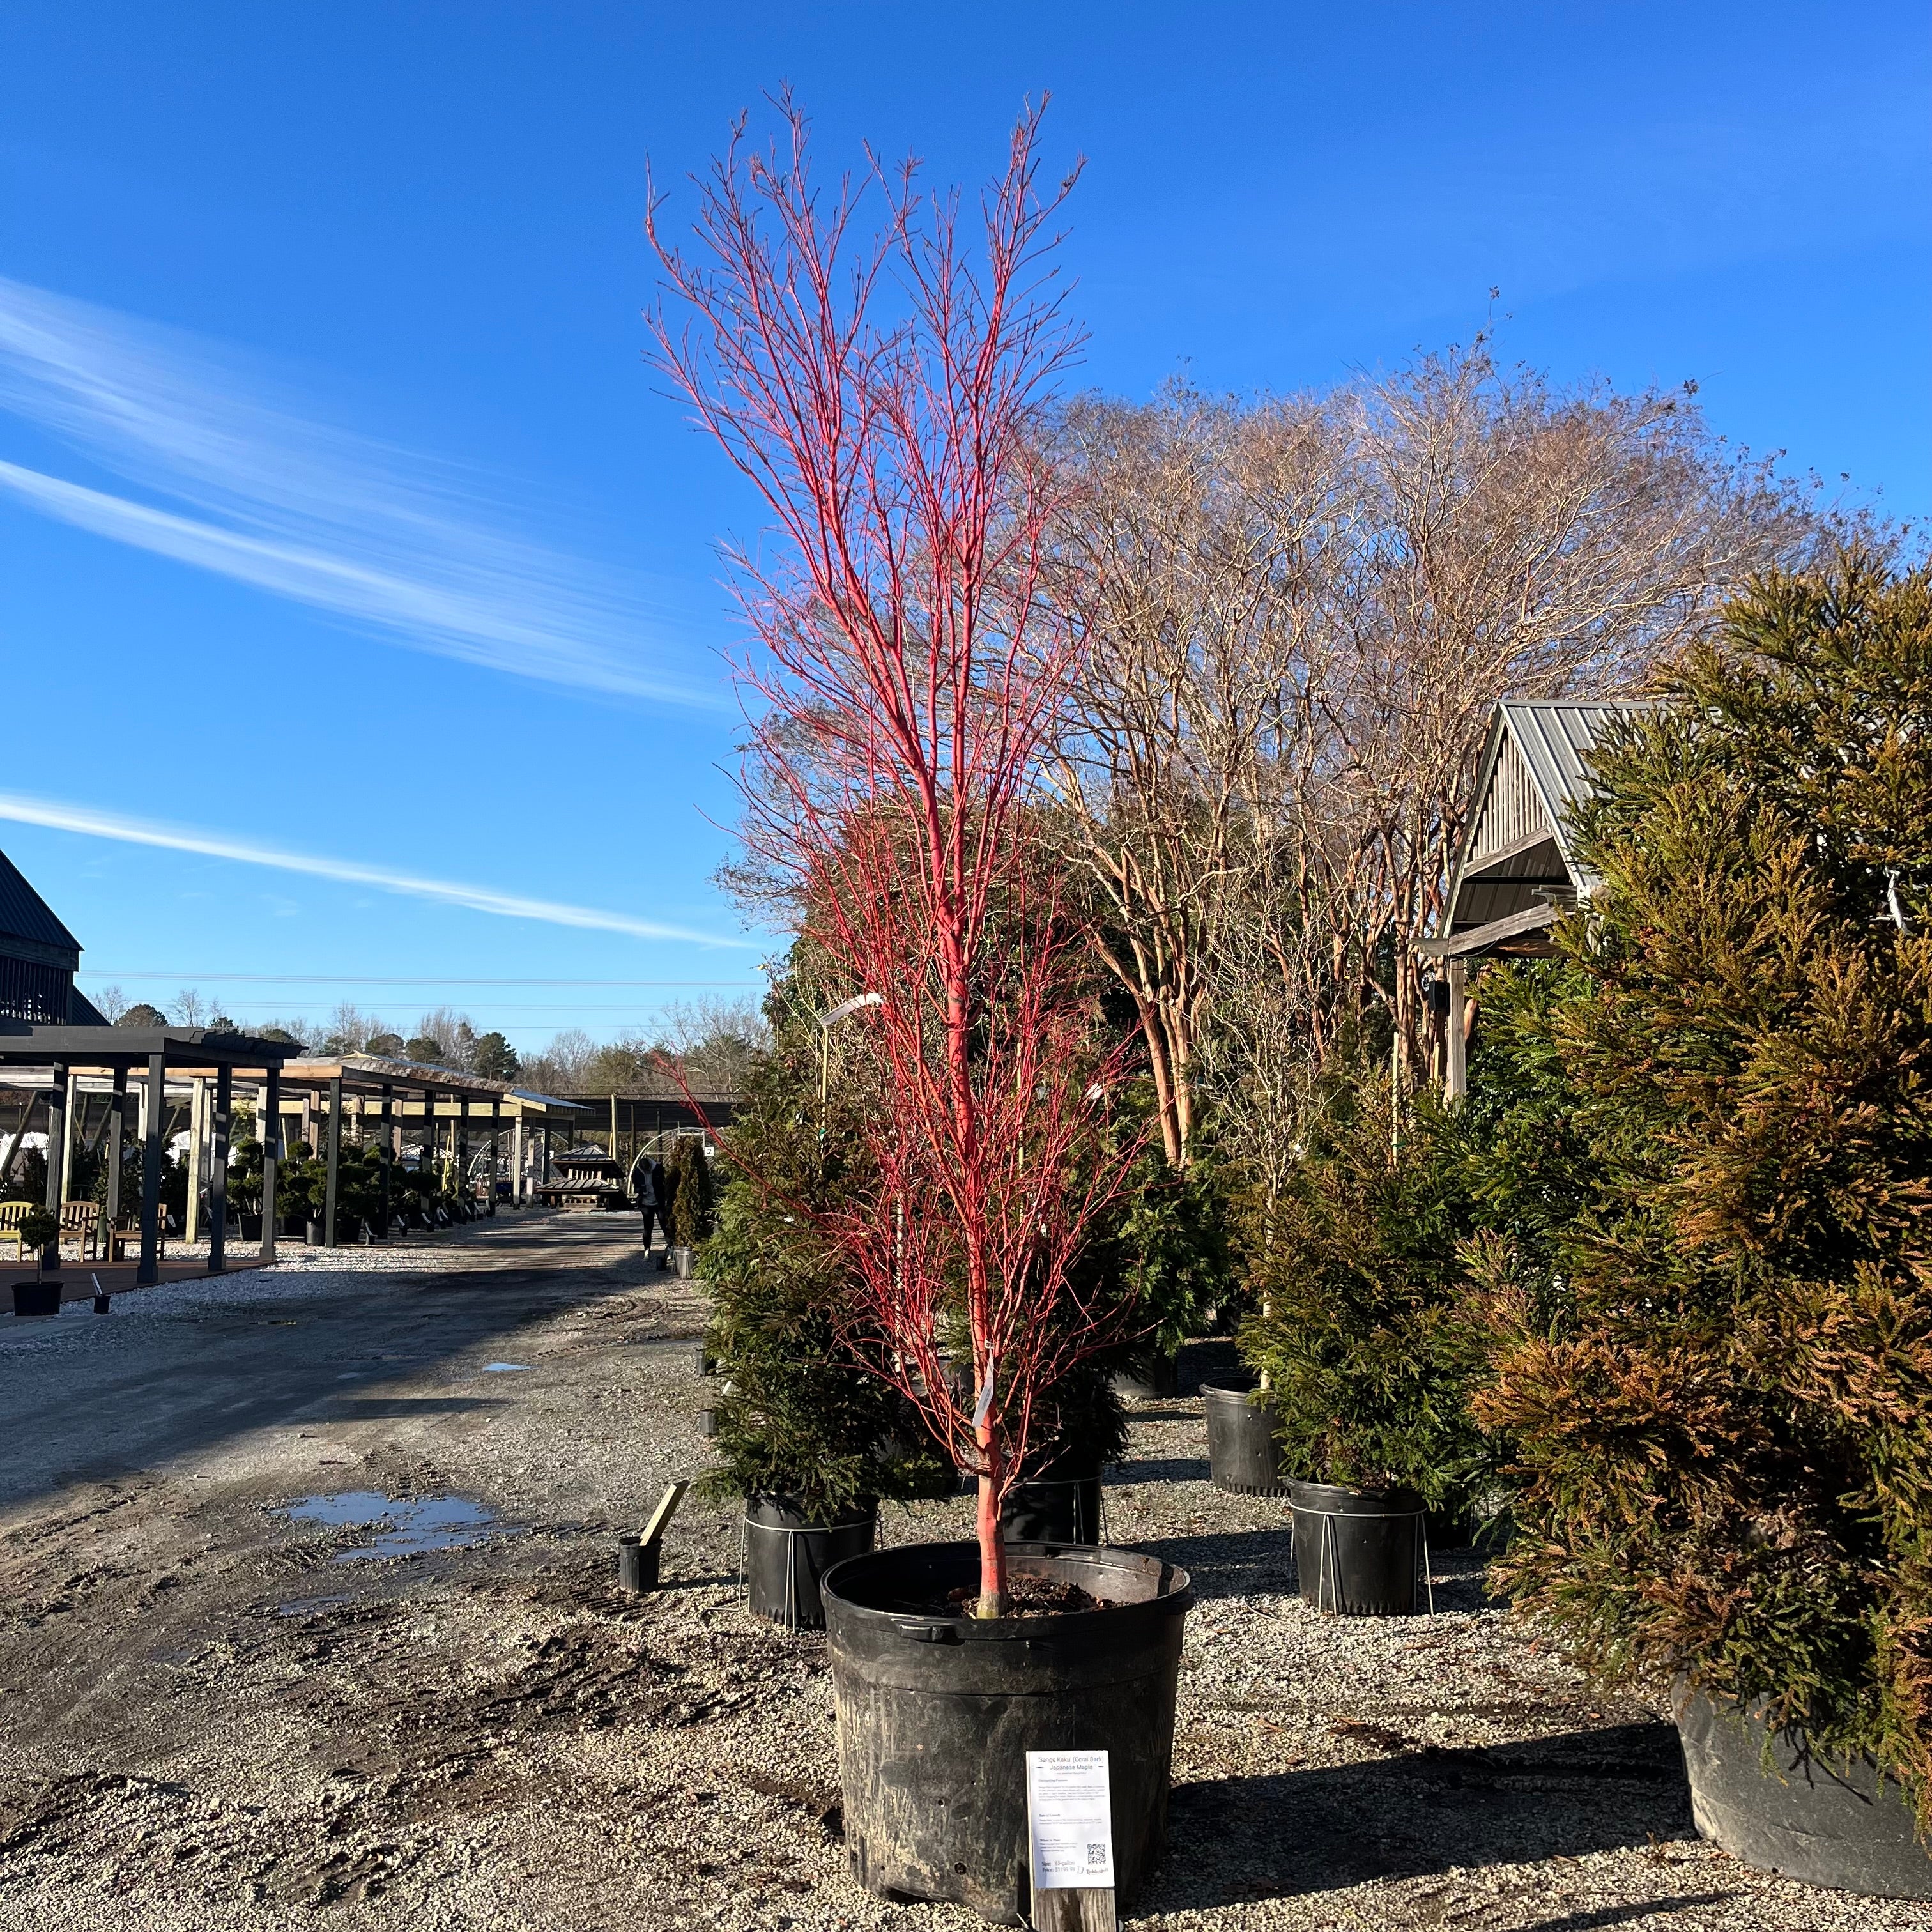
[[416, 1702]]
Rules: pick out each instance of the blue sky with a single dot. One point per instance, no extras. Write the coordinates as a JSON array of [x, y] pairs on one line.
[[340, 521]]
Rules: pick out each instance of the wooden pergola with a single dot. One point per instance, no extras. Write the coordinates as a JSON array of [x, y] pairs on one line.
[[66, 1055], [67, 1066], [1516, 871], [392, 1095]]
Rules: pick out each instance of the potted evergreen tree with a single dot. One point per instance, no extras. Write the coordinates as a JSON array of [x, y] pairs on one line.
[[910, 669], [1365, 1350], [40, 1228], [804, 1435], [1713, 1363], [688, 1173]]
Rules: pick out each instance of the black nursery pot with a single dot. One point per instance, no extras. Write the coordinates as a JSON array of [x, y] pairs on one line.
[[37, 1298], [638, 1565], [1062, 1504], [936, 1714], [1841, 1826], [1152, 1376], [1358, 1552], [787, 1554], [1240, 1441]]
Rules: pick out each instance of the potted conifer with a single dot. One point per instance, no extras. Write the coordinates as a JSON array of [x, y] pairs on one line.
[[40, 1228], [1363, 1344], [1712, 1363], [809, 1440], [688, 1173], [909, 670]]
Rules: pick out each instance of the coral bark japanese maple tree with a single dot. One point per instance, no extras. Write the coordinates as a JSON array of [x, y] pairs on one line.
[[882, 388]]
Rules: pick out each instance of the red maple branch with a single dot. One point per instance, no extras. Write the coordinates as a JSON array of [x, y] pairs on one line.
[[883, 394]]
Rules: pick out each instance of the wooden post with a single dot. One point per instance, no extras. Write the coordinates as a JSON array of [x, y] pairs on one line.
[[334, 1161], [58, 1111], [1456, 1082], [464, 1191], [149, 1271], [388, 1150], [117, 1131], [517, 1158], [76, 1106], [218, 1172], [197, 1105], [495, 1129], [271, 1152]]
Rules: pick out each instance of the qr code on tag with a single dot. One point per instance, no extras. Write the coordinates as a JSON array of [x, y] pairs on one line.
[[1096, 1855]]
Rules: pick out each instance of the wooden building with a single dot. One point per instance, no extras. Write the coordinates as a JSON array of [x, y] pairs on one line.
[[38, 959], [1516, 871]]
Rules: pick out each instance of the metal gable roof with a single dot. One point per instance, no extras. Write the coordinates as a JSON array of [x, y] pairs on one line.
[[24, 914], [1549, 741], [1556, 736]]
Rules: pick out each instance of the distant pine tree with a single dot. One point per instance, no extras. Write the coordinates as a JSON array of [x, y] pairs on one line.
[[1711, 1294]]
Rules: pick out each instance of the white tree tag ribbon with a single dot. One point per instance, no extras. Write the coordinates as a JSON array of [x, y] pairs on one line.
[[984, 1407]]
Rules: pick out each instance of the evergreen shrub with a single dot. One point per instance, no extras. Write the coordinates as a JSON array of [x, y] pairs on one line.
[[1361, 1331], [1709, 1297], [799, 1415]]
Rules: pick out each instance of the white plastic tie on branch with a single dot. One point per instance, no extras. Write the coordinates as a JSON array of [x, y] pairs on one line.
[[984, 1407]]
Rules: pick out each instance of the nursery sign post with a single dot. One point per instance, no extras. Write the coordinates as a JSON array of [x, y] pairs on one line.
[[1070, 1840]]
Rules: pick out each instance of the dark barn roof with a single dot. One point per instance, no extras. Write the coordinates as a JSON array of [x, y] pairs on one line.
[[24, 915]]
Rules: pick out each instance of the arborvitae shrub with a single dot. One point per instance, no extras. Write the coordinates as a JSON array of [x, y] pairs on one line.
[[1362, 1335], [798, 1416], [1710, 1297], [689, 1173]]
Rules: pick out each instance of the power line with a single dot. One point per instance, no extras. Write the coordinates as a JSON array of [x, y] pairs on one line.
[[350, 980]]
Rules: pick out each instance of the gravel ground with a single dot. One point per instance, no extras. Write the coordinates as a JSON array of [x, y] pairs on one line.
[[214, 1715]]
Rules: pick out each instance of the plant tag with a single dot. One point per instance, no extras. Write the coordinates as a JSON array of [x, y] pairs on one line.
[[984, 1407], [1070, 1820]]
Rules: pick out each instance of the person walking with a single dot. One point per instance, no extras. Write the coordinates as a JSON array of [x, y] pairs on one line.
[[648, 1197]]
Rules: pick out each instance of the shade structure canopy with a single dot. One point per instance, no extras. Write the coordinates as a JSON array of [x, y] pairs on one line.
[[63, 1056], [70, 1064], [1516, 870]]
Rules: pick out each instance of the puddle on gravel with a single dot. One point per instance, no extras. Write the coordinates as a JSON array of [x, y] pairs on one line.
[[404, 1525], [506, 1368]]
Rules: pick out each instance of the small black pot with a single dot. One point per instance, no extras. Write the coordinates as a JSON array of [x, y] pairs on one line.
[[1359, 1552], [1240, 1441], [316, 1234], [936, 1714], [38, 1297], [1839, 1825], [251, 1227], [638, 1565], [786, 1554]]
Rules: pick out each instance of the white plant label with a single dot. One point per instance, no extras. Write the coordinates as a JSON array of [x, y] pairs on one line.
[[1069, 1820]]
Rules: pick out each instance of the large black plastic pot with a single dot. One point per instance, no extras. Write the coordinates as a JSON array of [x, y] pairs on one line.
[[37, 1298], [1150, 1375], [1359, 1552], [787, 1554], [1240, 1441], [1842, 1826], [936, 1714], [1062, 1504]]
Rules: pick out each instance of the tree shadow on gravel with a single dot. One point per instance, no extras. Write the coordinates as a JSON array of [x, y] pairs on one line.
[[1159, 1469], [1238, 1563], [1422, 1812]]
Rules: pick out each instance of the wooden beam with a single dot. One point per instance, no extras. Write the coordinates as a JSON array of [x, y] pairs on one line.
[[1486, 938]]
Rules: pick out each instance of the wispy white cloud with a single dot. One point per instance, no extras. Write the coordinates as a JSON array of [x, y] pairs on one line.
[[258, 489], [62, 817]]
